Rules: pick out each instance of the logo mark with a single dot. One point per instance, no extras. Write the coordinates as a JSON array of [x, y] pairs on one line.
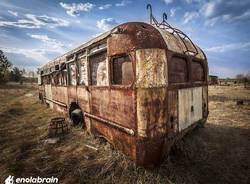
[[9, 180]]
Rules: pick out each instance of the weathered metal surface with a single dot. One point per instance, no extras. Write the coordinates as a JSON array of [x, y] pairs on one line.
[[48, 94], [205, 101], [115, 105], [122, 141], [83, 98], [175, 44], [111, 124], [152, 112], [189, 106], [72, 97], [136, 35], [172, 119], [151, 68]]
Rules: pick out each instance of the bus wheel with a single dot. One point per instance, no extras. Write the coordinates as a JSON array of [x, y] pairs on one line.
[[77, 117]]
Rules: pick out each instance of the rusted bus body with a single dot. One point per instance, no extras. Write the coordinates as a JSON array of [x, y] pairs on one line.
[[141, 90]]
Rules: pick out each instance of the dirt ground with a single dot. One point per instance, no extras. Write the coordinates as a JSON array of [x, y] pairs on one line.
[[217, 153]]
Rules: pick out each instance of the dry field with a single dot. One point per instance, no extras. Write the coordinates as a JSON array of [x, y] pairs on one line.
[[217, 153]]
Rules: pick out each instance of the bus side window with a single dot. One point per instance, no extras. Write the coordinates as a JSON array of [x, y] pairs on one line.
[[72, 73], [57, 79], [178, 70], [122, 71], [83, 72], [98, 69], [64, 77], [197, 71]]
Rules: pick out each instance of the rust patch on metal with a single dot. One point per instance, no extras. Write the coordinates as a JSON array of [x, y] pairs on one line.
[[151, 68], [172, 121], [114, 105], [120, 140], [152, 112], [205, 101], [136, 35]]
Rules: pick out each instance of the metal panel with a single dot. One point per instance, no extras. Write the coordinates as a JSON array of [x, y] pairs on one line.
[[152, 112], [48, 94], [189, 106], [172, 126], [151, 68], [114, 105]]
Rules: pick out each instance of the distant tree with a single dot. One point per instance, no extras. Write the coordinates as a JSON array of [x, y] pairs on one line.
[[243, 78], [5, 65], [16, 75]]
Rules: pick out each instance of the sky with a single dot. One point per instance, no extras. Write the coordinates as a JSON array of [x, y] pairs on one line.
[[33, 32]]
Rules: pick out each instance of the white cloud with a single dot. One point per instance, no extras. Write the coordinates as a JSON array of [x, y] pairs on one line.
[[228, 47], [122, 3], [168, 1], [51, 43], [36, 54], [106, 6], [50, 49], [41, 37], [194, 1], [34, 22], [74, 9], [208, 9], [13, 13], [227, 11], [106, 24], [172, 12], [188, 16]]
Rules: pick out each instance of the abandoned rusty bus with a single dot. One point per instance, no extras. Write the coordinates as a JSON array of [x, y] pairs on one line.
[[139, 85]]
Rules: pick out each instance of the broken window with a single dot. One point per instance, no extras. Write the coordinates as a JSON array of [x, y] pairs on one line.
[[57, 78], [52, 78], [83, 72], [98, 48], [47, 79], [122, 71], [64, 77], [57, 67], [197, 71], [72, 73], [178, 70], [98, 67]]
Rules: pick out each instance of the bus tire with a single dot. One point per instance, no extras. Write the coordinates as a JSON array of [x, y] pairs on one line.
[[77, 116]]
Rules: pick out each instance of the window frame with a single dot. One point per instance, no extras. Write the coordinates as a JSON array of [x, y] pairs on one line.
[[187, 69], [200, 61], [82, 58], [68, 73], [89, 64], [120, 86]]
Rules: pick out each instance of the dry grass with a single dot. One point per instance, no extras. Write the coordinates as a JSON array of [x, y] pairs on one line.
[[218, 153]]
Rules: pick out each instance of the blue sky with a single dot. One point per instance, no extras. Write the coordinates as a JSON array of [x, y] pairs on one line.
[[32, 32]]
